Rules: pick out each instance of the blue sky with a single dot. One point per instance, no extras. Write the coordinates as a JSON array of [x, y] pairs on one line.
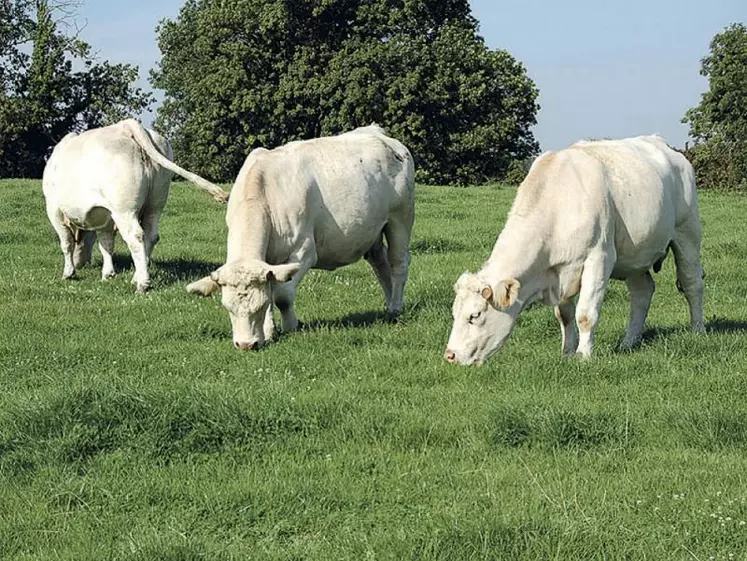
[[603, 68]]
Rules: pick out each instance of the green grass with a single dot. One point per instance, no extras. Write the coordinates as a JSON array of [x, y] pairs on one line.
[[131, 429]]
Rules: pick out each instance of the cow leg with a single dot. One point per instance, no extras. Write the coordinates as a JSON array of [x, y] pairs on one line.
[[133, 235], [283, 294], [686, 250], [564, 312], [268, 328], [106, 246], [596, 274], [150, 229], [377, 258], [397, 232], [67, 241], [641, 289], [83, 249]]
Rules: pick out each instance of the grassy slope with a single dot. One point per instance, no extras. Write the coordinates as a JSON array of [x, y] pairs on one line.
[[131, 429]]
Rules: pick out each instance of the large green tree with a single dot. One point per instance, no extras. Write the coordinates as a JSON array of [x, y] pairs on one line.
[[250, 73], [57, 88], [719, 123]]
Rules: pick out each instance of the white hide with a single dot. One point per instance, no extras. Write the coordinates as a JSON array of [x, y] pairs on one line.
[[321, 203], [595, 211], [115, 176]]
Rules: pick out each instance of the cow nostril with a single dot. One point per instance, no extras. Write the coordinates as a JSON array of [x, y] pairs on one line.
[[450, 356]]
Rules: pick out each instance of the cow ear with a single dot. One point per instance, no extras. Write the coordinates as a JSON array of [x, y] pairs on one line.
[[205, 286], [505, 294], [282, 273]]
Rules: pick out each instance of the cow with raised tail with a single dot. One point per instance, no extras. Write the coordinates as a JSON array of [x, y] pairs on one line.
[[107, 179], [321, 203], [595, 211]]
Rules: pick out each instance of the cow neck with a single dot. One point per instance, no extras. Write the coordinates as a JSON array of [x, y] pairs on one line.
[[518, 253], [249, 231]]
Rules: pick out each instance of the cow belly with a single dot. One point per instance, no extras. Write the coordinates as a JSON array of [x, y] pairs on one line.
[[337, 251]]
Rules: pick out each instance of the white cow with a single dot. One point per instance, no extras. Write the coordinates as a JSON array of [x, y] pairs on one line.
[[321, 204], [106, 178], [582, 215]]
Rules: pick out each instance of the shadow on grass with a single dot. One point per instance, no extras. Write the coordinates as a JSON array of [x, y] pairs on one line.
[[364, 319], [166, 272], [714, 325], [178, 270]]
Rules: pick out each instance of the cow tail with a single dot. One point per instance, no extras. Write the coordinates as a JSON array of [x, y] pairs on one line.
[[143, 139]]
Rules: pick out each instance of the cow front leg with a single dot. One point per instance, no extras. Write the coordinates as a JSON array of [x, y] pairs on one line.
[[641, 289], [67, 241], [565, 312], [284, 294], [597, 270], [134, 237], [268, 328]]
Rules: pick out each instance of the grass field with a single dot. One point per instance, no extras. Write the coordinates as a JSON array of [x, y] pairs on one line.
[[130, 428]]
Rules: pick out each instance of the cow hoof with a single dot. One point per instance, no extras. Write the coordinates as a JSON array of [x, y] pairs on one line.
[[69, 276], [142, 288]]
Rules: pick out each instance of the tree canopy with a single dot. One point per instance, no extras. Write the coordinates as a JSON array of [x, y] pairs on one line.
[[719, 123], [57, 88], [249, 73]]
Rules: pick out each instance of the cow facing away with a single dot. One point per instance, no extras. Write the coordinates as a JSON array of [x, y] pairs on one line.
[[321, 203], [106, 178], [595, 211]]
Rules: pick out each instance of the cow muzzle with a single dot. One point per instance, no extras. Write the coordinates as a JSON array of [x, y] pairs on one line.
[[450, 356], [246, 346]]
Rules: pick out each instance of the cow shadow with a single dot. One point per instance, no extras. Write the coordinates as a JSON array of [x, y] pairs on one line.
[[714, 325], [363, 319], [173, 271], [166, 272]]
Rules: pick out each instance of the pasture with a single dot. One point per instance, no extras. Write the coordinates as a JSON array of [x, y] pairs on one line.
[[130, 428]]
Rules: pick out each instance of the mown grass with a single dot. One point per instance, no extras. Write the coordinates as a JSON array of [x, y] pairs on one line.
[[130, 429]]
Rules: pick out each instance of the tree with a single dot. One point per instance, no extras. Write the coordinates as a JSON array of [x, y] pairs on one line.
[[42, 96], [719, 123], [250, 73]]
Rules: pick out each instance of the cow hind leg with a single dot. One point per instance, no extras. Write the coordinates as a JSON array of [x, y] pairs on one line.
[[596, 274], [67, 241], [397, 232], [641, 289], [133, 235], [149, 224], [84, 249], [686, 250], [106, 246], [379, 261]]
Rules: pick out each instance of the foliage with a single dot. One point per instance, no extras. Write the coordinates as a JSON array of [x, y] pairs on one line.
[[719, 123], [56, 89], [131, 429], [260, 73]]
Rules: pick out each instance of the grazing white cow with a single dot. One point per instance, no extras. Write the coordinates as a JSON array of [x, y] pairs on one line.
[[582, 215], [106, 178], [322, 204]]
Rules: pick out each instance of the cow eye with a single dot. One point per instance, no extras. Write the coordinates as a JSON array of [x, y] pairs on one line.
[[474, 316]]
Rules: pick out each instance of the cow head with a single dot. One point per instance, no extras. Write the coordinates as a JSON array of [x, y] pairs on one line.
[[484, 316], [246, 288]]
